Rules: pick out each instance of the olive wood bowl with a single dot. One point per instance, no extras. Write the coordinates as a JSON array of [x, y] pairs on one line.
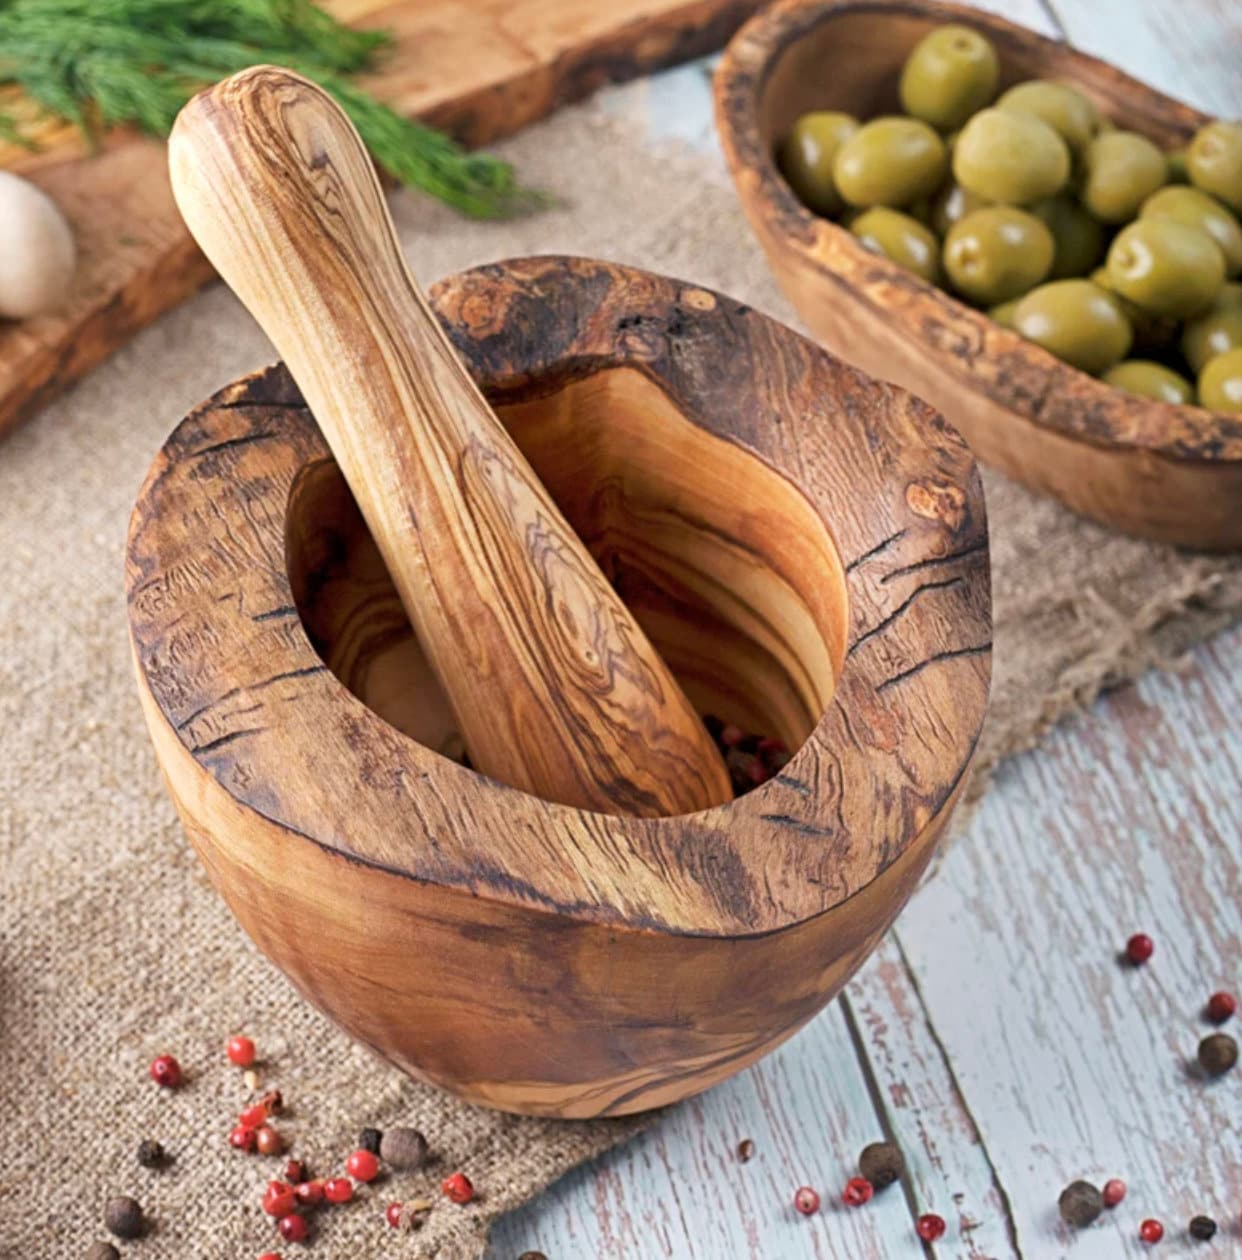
[[1148, 468], [807, 549]]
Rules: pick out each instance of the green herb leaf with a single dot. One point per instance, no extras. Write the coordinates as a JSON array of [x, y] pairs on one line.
[[102, 63]]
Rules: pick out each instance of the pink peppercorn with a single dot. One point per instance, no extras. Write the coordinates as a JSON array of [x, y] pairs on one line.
[[858, 1190], [1139, 948], [1114, 1191], [806, 1201], [166, 1071], [930, 1227]]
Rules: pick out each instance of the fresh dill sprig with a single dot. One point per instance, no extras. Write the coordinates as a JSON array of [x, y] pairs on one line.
[[103, 63]]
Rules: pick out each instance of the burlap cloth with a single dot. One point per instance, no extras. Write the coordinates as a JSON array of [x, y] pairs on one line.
[[113, 948]]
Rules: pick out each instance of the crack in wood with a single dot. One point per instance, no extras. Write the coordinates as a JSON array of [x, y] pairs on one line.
[[876, 550], [881, 626], [966, 552], [951, 655]]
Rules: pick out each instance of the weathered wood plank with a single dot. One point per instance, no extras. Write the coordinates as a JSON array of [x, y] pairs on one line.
[[1188, 50]]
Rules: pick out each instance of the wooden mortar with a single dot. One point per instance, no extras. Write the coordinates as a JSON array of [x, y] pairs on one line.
[[805, 547]]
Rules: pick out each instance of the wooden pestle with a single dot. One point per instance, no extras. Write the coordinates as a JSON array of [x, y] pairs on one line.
[[555, 687]]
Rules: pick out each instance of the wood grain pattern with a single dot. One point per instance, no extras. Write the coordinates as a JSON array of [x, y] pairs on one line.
[[643, 959], [554, 687], [1152, 469], [481, 69]]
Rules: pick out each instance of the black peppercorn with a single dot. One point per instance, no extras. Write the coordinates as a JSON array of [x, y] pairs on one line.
[[369, 1140], [403, 1148], [151, 1154], [745, 1150], [1202, 1228], [881, 1163], [1217, 1054], [123, 1217], [1080, 1204], [102, 1251]]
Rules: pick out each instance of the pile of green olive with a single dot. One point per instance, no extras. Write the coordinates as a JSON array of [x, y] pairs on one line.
[[1087, 240]]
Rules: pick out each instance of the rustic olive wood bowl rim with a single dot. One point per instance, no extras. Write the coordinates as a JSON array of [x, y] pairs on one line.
[[848, 805], [1109, 418]]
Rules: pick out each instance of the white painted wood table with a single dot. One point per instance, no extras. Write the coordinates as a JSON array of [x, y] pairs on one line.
[[994, 1034]]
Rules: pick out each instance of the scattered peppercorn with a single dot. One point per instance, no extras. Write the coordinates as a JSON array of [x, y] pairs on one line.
[[269, 1255], [1221, 1007], [369, 1140], [929, 1227], [251, 1079], [457, 1186], [151, 1154], [806, 1201], [882, 1163], [403, 1148], [240, 1051], [1202, 1228], [1217, 1054], [295, 1171], [1151, 1231], [123, 1217], [279, 1199], [362, 1166], [292, 1228], [1080, 1204], [102, 1251], [338, 1190], [309, 1193], [858, 1190], [273, 1102], [242, 1138], [532, 1255], [730, 736], [1114, 1191], [253, 1116], [1139, 948], [394, 1214], [268, 1140], [745, 1151], [166, 1071]]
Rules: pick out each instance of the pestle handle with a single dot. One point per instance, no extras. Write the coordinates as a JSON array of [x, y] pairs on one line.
[[554, 685]]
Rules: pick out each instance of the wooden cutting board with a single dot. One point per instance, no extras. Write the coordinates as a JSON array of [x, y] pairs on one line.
[[477, 68]]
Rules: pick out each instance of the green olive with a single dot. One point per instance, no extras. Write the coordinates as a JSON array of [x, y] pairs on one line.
[[1011, 158], [1151, 331], [1217, 331], [1070, 114], [1214, 162], [900, 238], [952, 204], [805, 158], [889, 162], [1151, 380], [997, 253], [1077, 321], [1197, 209], [951, 73], [1003, 313], [1220, 382], [1079, 238], [1166, 267], [1121, 170]]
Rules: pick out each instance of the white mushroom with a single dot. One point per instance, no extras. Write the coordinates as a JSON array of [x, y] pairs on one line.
[[37, 253]]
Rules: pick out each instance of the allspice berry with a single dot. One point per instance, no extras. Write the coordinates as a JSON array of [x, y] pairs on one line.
[[123, 1217], [151, 1154], [1080, 1204], [881, 1163], [403, 1148], [268, 1140], [102, 1251], [1217, 1054], [1202, 1228]]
